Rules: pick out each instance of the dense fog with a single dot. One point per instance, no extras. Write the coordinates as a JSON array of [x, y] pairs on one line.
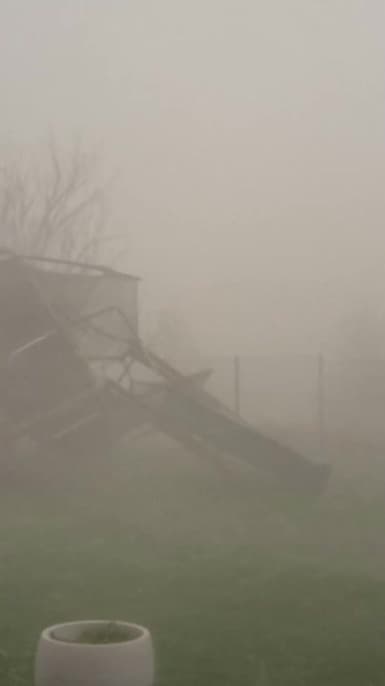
[[230, 494], [246, 144]]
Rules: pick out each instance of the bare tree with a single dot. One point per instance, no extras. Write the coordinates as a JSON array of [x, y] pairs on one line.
[[53, 207]]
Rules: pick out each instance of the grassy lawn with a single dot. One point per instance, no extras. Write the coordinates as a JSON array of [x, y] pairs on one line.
[[224, 585]]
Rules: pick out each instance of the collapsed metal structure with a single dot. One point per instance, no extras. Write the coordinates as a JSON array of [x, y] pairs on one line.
[[69, 348]]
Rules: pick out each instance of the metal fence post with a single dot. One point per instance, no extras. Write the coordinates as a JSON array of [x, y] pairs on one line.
[[321, 416], [237, 385]]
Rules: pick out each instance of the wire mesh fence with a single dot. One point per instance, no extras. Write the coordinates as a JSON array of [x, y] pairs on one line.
[[312, 399]]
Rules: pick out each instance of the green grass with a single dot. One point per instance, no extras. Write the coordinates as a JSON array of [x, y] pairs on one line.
[[224, 585]]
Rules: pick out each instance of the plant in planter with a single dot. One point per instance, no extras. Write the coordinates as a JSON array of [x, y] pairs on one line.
[[95, 653]]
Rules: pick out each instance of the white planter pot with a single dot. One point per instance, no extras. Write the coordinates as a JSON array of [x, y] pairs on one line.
[[62, 661]]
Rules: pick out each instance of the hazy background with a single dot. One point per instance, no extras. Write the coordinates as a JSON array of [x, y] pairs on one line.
[[248, 141]]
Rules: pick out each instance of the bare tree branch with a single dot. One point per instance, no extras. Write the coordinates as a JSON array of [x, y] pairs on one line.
[[53, 209]]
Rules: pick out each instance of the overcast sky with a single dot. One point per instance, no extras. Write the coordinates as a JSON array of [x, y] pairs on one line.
[[249, 140]]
